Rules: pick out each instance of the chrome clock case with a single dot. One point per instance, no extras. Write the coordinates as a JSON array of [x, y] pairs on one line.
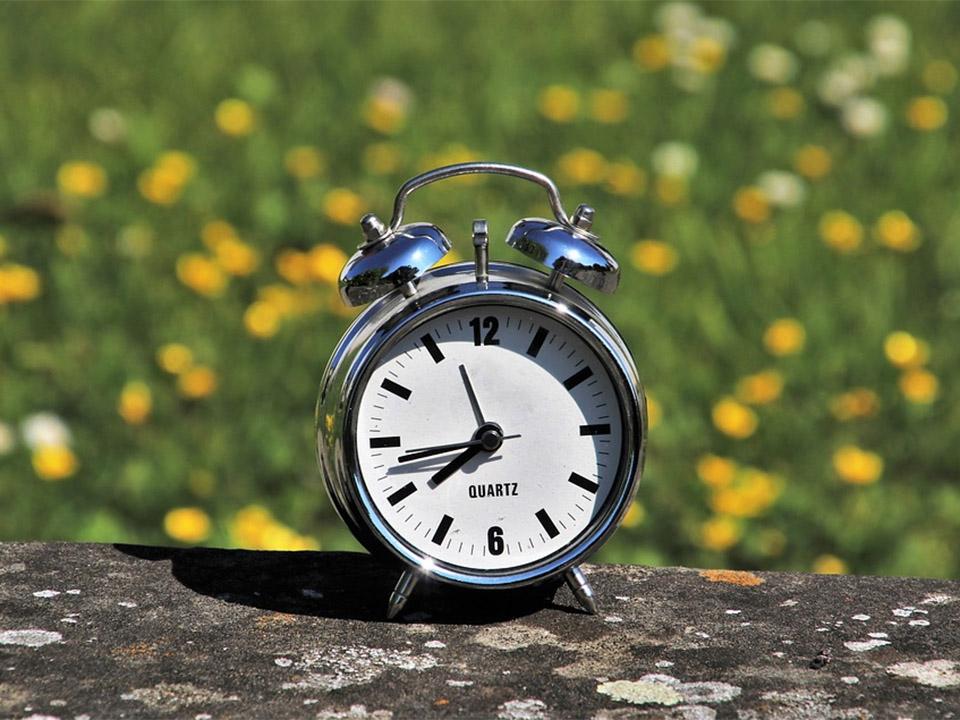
[[392, 268]]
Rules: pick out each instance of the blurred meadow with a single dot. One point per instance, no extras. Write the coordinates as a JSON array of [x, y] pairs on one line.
[[181, 184]]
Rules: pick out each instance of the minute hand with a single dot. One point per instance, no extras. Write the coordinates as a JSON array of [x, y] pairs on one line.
[[420, 453]]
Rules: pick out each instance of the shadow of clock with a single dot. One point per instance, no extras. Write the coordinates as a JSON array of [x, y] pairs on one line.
[[343, 585]]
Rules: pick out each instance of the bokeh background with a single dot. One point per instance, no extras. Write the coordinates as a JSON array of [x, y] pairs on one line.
[[180, 185]]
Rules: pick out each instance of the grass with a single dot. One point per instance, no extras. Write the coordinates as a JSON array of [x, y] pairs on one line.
[[471, 81]]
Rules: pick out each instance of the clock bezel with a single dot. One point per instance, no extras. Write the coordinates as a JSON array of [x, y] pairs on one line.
[[375, 331]]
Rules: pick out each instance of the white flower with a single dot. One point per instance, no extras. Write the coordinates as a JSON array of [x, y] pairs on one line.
[[678, 16], [44, 428], [864, 116], [393, 91], [815, 38], [773, 64], [888, 38], [107, 125], [675, 159], [846, 77], [7, 439], [717, 29], [782, 188]]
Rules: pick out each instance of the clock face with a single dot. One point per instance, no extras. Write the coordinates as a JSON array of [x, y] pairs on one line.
[[489, 437]]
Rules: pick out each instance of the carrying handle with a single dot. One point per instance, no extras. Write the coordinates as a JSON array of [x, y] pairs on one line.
[[478, 168]]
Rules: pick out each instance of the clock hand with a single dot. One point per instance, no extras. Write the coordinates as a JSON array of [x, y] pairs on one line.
[[418, 453], [477, 413], [458, 462]]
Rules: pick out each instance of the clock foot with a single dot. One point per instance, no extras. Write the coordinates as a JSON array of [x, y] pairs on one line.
[[581, 589], [401, 593]]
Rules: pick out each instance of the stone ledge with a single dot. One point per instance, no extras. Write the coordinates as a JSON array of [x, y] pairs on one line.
[[101, 631]]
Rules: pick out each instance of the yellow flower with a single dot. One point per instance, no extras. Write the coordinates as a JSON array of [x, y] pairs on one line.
[[940, 76], [671, 190], [926, 113], [707, 55], [248, 525], [636, 514], [897, 231], [326, 262], [187, 524], [654, 412], [733, 419], [652, 52], [841, 231], [201, 274], [559, 103], [785, 103], [625, 178], [760, 388], [177, 166], [903, 350], [752, 492], [857, 466], [217, 231], [385, 113], [235, 117], [919, 385], [262, 319], [135, 402], [855, 403], [304, 162], [82, 179], [653, 257], [18, 283], [608, 106], [582, 167], [236, 257], [255, 527], [54, 462], [720, 533], [813, 162], [343, 206], [158, 187], [382, 158], [751, 204], [293, 266], [716, 471], [197, 382], [785, 336], [829, 565], [175, 358]]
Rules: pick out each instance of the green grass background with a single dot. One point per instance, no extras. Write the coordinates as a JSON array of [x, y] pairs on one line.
[[475, 72]]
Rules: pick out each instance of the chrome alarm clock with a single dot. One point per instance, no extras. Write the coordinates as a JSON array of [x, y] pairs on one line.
[[481, 423]]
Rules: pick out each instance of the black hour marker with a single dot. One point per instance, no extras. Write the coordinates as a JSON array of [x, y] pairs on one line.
[[399, 495], [596, 429], [578, 377], [431, 345], [537, 342], [385, 442], [442, 528], [547, 523], [587, 484], [397, 389]]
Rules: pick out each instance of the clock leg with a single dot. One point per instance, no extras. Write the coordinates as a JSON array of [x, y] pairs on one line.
[[581, 589], [401, 593]]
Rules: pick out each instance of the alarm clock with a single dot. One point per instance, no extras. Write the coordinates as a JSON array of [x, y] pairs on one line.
[[481, 423]]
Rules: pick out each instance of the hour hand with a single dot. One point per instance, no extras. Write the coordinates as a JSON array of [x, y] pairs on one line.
[[458, 462]]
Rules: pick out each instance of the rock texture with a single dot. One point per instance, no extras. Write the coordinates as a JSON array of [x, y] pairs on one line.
[[100, 631]]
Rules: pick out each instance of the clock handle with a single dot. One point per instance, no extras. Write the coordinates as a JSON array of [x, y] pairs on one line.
[[479, 168]]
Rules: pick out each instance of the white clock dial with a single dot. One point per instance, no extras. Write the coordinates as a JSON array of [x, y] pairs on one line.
[[544, 422]]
